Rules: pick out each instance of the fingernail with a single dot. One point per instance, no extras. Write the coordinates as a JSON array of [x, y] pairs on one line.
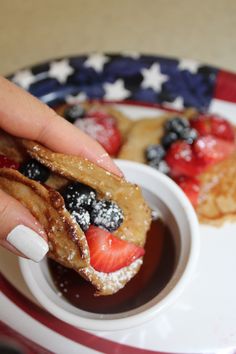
[[28, 242]]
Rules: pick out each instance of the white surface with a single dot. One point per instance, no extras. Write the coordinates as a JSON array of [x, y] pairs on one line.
[[28, 242], [204, 317]]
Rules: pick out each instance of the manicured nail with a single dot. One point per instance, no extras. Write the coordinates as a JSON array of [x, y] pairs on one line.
[[28, 242]]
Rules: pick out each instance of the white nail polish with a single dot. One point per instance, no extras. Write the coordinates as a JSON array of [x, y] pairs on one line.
[[28, 242]]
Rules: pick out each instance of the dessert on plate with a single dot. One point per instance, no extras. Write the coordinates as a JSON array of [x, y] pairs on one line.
[[196, 150], [96, 222]]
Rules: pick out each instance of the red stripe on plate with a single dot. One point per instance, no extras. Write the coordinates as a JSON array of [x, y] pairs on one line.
[[64, 329], [11, 339], [225, 88]]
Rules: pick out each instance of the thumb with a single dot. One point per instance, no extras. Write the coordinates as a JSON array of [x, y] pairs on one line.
[[20, 232]]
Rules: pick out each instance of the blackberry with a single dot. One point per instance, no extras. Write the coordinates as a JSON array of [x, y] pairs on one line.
[[176, 125], [154, 152], [35, 170], [189, 135], [168, 139], [107, 215], [78, 195], [74, 112], [82, 217], [161, 166]]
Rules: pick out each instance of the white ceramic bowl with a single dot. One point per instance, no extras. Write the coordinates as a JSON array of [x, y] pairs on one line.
[[161, 194]]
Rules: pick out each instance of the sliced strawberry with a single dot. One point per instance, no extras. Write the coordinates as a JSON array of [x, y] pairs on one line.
[[104, 130], [210, 149], [182, 161], [97, 114], [190, 186], [8, 163], [108, 253], [207, 124]]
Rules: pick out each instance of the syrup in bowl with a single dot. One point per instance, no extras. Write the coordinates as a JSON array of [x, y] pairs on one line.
[[157, 269]]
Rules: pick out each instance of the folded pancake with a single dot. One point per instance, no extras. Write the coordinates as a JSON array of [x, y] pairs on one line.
[[123, 122], [67, 241], [144, 132], [217, 199]]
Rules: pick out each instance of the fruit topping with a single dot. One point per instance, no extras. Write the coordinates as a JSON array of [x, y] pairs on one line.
[[176, 124], [210, 149], [154, 152], [35, 170], [107, 215], [161, 166], [82, 217], [189, 135], [182, 160], [168, 139], [8, 163], [214, 125], [74, 112], [77, 195], [98, 114], [104, 130], [190, 186], [178, 129], [108, 253]]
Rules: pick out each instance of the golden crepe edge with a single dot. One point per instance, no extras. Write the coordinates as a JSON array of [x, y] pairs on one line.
[[67, 241]]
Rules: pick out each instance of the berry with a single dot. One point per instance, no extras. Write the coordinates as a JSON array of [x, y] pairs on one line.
[[8, 163], [106, 214], [160, 166], [168, 139], [78, 195], [190, 186], [214, 125], [82, 217], [98, 114], [154, 152], [182, 160], [176, 125], [104, 130], [189, 135], [35, 170], [210, 149], [74, 112], [108, 253]]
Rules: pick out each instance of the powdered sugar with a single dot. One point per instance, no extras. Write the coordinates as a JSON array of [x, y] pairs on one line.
[[110, 283]]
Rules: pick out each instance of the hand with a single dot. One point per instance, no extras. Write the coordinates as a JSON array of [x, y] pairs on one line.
[[22, 115]]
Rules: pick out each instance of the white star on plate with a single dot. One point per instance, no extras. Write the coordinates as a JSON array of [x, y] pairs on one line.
[[24, 78], [190, 65], [76, 99], [96, 61], [177, 104], [116, 90], [60, 70], [153, 78]]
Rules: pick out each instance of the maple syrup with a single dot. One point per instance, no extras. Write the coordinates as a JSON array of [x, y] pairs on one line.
[[158, 267]]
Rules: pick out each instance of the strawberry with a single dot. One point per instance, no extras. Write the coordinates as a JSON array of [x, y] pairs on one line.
[[108, 253], [97, 114], [182, 161], [8, 163], [210, 149], [104, 130], [214, 125], [190, 186]]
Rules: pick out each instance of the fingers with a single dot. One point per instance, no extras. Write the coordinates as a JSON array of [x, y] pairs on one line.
[[23, 115], [20, 233]]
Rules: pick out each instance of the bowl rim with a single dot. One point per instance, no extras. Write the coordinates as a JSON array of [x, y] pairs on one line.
[[104, 324]]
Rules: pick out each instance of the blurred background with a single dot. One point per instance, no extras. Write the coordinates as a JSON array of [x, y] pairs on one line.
[[34, 31]]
